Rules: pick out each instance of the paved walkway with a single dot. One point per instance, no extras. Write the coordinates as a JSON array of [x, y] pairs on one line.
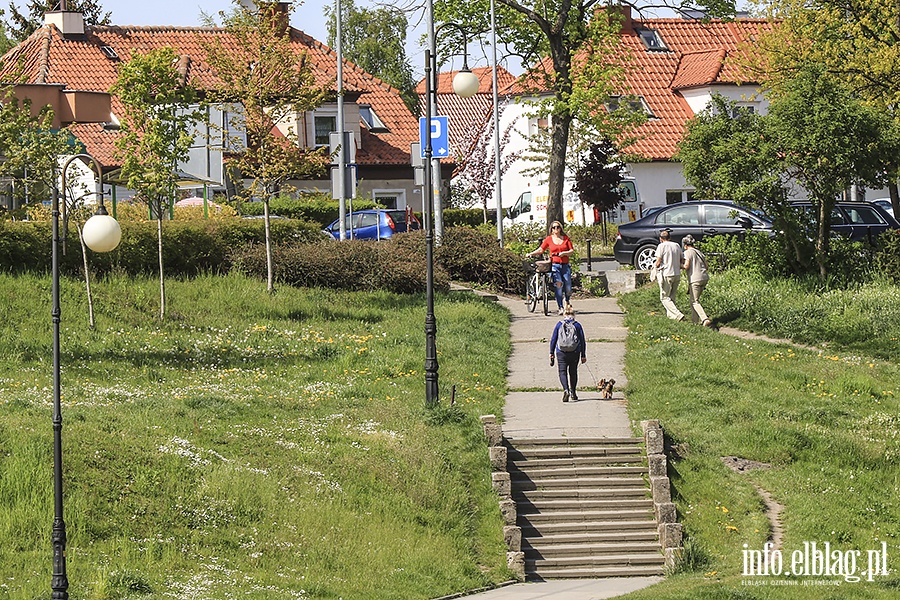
[[535, 414]]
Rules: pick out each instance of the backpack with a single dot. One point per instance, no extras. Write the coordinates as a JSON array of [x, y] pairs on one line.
[[567, 338]]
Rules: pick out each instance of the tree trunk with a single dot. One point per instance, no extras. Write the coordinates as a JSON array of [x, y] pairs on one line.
[[559, 134], [822, 237], [87, 277], [162, 280], [270, 263]]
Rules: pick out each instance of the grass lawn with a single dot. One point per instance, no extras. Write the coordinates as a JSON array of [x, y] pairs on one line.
[[828, 424], [249, 445]]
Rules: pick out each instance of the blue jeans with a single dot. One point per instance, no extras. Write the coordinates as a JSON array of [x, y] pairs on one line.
[[562, 281], [567, 364]]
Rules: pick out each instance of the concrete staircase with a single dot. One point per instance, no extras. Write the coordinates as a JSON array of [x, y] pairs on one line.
[[584, 508]]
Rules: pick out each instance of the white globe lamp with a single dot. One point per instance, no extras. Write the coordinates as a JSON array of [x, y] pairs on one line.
[[101, 232], [465, 83]]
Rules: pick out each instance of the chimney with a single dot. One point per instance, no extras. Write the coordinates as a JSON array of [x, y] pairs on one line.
[[625, 11], [68, 22]]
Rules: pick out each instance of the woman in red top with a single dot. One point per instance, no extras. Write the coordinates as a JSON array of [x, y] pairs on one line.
[[560, 248]]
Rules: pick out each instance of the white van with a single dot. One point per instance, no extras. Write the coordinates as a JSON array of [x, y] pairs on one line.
[[531, 207]]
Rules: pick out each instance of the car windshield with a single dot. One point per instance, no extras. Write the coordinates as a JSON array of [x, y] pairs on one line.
[[863, 215]]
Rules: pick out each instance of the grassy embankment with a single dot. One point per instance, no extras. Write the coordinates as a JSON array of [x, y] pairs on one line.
[[250, 445], [828, 423]]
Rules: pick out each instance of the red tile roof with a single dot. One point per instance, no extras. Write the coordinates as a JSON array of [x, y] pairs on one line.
[[698, 54], [80, 64]]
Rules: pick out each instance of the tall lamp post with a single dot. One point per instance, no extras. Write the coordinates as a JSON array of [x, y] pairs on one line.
[[465, 85], [101, 233]]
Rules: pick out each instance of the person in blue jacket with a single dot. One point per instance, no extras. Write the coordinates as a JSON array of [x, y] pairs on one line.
[[567, 352]]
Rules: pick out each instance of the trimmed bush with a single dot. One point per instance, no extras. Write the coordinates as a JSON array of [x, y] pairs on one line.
[[188, 247], [468, 217], [316, 209], [887, 259], [349, 265]]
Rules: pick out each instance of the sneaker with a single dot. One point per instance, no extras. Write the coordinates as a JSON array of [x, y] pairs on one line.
[[574, 397], [562, 311], [565, 395]]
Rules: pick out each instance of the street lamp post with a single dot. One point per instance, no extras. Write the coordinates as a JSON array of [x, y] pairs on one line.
[[101, 233]]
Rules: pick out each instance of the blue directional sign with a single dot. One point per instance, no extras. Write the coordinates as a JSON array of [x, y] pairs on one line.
[[440, 146]]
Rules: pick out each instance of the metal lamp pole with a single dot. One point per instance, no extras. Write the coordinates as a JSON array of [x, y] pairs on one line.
[[431, 361], [101, 233], [497, 175]]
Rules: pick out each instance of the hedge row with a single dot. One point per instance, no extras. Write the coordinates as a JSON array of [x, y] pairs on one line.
[[189, 248]]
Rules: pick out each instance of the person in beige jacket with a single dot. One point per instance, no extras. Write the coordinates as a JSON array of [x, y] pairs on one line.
[[698, 276]]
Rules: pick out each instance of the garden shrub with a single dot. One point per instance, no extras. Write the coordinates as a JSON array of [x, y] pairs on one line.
[[468, 217], [471, 256], [887, 258], [348, 265], [317, 208], [755, 252]]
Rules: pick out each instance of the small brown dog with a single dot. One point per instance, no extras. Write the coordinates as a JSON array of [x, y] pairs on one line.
[[606, 387]]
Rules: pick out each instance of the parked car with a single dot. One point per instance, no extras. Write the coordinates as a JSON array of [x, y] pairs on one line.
[[375, 224], [636, 242], [885, 203], [857, 220]]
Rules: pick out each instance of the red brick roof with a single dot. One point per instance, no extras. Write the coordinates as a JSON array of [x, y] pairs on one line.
[[80, 64], [698, 54]]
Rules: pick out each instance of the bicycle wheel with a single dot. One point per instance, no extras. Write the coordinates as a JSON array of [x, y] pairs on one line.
[[545, 294], [531, 295]]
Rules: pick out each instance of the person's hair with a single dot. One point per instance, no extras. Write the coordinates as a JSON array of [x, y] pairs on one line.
[[557, 224], [569, 311], [687, 240], [664, 234]]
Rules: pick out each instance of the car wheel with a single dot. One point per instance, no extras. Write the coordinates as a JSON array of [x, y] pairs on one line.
[[645, 257]]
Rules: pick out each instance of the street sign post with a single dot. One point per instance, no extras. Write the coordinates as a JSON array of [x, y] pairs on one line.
[[440, 145]]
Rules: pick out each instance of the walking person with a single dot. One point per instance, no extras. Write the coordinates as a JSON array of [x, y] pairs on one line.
[[698, 276], [668, 268], [567, 348], [560, 248]]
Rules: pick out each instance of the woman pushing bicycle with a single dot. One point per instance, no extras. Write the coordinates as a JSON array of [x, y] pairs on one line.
[[560, 248]]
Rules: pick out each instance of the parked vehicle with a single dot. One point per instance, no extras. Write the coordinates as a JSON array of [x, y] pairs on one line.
[[375, 224], [857, 220], [531, 207], [636, 242]]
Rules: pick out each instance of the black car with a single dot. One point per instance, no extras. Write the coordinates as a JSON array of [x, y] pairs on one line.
[[857, 220], [637, 241]]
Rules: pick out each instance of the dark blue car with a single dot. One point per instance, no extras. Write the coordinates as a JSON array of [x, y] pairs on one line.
[[375, 224]]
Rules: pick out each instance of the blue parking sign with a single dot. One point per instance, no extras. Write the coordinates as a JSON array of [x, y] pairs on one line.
[[440, 146]]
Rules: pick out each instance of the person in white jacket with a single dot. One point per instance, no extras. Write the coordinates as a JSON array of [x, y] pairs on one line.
[[698, 276], [668, 272]]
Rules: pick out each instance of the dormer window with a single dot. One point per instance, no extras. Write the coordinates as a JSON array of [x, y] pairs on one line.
[[109, 52], [652, 40], [373, 123], [633, 103]]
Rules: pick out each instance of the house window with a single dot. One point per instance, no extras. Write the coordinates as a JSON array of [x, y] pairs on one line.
[[324, 126], [634, 103], [743, 108], [652, 40], [393, 199], [538, 124], [373, 123]]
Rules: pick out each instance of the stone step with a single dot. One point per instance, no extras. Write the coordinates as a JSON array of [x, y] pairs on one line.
[[542, 452], [576, 483], [540, 565], [579, 472], [546, 551], [574, 461], [617, 492], [520, 443], [581, 505], [588, 538], [591, 516], [532, 529], [597, 572]]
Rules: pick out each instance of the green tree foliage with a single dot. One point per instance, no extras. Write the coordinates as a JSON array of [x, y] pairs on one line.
[[817, 134], [856, 41], [375, 40], [157, 132], [572, 48], [21, 24], [267, 82]]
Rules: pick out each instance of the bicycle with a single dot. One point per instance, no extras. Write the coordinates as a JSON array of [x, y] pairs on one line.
[[538, 286]]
